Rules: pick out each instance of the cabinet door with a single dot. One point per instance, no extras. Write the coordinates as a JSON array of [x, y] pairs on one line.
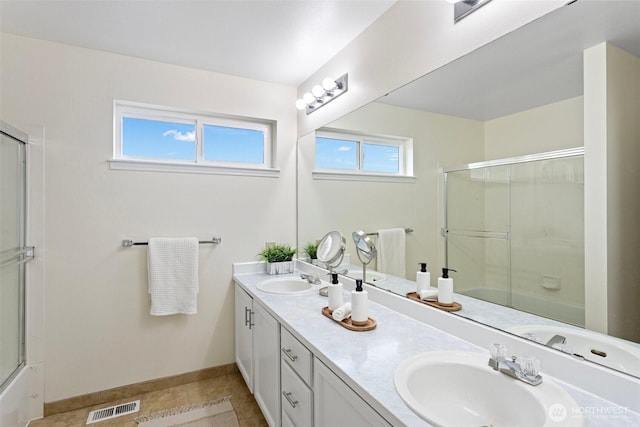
[[266, 363], [335, 404], [244, 342]]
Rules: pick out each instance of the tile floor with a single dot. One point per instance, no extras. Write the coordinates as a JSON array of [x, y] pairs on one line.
[[232, 384]]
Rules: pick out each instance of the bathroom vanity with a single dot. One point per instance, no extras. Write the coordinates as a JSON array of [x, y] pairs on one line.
[[304, 369]]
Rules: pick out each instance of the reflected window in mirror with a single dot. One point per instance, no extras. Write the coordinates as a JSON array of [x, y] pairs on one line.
[[363, 154]]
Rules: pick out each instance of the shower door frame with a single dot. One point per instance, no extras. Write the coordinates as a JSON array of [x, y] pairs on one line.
[[550, 155], [23, 253]]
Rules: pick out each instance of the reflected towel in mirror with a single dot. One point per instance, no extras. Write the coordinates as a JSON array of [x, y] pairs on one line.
[[392, 251]]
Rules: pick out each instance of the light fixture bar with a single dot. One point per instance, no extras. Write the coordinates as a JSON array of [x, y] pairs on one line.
[[323, 94], [464, 8]]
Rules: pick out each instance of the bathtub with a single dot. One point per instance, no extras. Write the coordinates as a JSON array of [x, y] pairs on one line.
[[557, 310]]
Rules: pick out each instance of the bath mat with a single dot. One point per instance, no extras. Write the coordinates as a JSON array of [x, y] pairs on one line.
[[215, 413]]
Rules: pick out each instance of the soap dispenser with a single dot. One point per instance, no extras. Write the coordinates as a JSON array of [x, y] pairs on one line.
[[445, 288], [335, 293], [423, 278], [359, 299]]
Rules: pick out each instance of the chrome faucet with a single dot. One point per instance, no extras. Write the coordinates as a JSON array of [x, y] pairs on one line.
[[524, 368], [311, 278]]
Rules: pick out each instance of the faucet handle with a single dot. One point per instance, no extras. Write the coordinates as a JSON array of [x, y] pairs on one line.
[[498, 351], [530, 366]]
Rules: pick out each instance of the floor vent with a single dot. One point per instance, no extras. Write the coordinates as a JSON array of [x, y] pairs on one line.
[[113, 412]]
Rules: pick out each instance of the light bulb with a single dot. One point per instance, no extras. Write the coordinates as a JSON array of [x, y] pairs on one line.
[[317, 91], [329, 84], [308, 98], [300, 104]]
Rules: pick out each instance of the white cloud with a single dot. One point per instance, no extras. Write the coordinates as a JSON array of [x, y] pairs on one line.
[[179, 136], [344, 148]]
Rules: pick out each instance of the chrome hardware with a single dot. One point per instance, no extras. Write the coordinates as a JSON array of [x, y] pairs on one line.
[[289, 354], [288, 395], [311, 278], [248, 317], [524, 368], [127, 243]]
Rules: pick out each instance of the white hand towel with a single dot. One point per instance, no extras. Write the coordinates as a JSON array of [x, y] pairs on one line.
[[173, 275], [429, 294], [391, 251], [342, 312]]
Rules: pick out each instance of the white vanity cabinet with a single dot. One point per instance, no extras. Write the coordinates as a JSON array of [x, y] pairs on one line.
[[296, 376], [336, 404], [258, 353]]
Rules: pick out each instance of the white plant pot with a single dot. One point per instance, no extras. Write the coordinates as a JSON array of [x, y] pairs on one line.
[[280, 267]]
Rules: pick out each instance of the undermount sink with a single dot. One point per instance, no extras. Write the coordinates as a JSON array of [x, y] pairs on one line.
[[286, 285], [372, 276], [589, 345], [460, 389]]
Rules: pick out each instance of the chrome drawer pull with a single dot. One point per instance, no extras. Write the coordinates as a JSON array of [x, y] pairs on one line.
[[289, 354], [287, 395]]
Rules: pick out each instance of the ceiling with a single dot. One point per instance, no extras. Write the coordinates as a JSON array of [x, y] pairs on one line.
[[535, 65], [269, 40]]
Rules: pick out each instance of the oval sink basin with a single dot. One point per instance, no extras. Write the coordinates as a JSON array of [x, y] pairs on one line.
[[286, 285], [589, 345], [372, 276], [460, 389]]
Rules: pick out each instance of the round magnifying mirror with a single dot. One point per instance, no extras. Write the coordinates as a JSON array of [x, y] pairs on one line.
[[331, 249], [365, 248]]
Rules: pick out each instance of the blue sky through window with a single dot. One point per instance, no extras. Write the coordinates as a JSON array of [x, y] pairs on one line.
[[158, 139], [334, 153], [381, 158], [229, 144]]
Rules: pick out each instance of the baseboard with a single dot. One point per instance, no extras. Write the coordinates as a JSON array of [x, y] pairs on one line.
[[124, 392]]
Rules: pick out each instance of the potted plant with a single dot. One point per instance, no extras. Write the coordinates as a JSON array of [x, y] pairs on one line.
[[312, 250], [278, 258]]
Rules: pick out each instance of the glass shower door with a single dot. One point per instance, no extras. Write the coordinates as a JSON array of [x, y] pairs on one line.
[[477, 231], [13, 254]]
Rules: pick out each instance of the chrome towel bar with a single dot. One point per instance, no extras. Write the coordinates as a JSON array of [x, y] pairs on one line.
[[128, 243], [406, 230]]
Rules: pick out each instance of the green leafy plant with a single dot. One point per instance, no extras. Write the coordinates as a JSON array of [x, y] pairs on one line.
[[277, 253], [312, 250]]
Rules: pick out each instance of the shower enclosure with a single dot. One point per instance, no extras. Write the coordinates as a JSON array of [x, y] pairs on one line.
[[13, 252], [515, 232]]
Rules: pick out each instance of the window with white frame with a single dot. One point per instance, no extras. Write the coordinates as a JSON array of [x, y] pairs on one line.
[[159, 138], [345, 154]]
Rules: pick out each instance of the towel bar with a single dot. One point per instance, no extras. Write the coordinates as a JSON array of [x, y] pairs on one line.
[[406, 230], [128, 243]]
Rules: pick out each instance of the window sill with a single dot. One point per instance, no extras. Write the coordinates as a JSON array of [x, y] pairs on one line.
[[345, 176], [151, 166]]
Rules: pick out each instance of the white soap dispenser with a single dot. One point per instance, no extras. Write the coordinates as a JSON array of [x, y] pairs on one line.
[[423, 278], [359, 300], [445, 288], [335, 293]]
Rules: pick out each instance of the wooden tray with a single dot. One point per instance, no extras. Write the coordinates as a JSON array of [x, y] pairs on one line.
[[346, 323], [455, 307]]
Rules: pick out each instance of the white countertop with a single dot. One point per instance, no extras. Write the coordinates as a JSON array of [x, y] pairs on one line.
[[367, 361]]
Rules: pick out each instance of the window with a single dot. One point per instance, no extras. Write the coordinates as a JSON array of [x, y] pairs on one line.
[[344, 155], [163, 139]]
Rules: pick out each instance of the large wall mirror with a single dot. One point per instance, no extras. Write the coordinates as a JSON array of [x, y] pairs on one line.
[[476, 127]]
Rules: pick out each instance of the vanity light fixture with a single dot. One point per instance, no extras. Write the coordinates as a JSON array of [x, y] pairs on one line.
[[323, 94], [463, 8]]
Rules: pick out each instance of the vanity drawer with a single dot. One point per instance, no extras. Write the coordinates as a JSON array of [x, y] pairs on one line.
[[296, 355], [296, 398]]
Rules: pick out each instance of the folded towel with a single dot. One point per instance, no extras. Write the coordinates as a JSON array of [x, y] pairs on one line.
[[429, 294], [391, 251], [342, 312], [173, 275]]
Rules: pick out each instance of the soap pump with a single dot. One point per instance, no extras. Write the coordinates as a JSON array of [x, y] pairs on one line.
[[359, 299], [335, 292], [445, 288], [423, 278]]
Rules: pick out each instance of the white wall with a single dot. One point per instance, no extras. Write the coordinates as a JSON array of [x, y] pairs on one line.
[[98, 333], [410, 40], [612, 200]]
